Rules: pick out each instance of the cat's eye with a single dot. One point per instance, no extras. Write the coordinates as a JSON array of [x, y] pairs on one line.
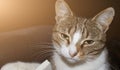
[[88, 42], [64, 36]]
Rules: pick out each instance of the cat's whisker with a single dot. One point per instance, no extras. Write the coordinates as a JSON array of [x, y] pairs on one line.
[[41, 45], [45, 47], [45, 44], [113, 67], [47, 57], [45, 52]]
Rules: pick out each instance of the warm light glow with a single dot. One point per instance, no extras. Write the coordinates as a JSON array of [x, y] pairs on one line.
[[23, 13]]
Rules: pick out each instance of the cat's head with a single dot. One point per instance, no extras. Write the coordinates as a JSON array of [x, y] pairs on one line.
[[76, 38]]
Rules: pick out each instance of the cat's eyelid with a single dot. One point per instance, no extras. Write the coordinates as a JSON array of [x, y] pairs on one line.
[[85, 42], [64, 34]]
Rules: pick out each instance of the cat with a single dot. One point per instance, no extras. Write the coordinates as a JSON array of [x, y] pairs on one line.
[[79, 43]]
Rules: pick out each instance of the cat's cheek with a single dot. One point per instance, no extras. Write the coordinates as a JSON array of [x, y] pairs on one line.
[[72, 60], [65, 52]]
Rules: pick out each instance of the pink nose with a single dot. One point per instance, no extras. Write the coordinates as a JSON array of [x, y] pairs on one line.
[[73, 54]]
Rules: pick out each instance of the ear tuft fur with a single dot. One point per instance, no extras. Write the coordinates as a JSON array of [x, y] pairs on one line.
[[62, 10], [105, 18]]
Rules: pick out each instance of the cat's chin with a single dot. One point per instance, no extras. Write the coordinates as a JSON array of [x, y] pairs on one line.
[[71, 60]]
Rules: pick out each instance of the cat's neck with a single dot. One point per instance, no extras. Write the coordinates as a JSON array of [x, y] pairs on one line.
[[98, 64]]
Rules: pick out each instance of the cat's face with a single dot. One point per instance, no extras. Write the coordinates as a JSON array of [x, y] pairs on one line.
[[79, 39]]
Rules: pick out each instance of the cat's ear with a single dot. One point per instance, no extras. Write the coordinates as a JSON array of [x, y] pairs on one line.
[[62, 10], [104, 18]]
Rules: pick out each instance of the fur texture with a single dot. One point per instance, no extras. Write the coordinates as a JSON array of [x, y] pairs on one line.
[[98, 64], [80, 42]]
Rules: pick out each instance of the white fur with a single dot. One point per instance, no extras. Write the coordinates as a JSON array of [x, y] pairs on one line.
[[65, 51], [99, 64], [76, 37], [71, 49], [20, 66]]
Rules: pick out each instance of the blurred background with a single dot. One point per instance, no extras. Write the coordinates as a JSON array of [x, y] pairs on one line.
[[27, 23]]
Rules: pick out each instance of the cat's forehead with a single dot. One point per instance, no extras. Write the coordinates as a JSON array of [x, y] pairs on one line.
[[71, 22], [76, 23]]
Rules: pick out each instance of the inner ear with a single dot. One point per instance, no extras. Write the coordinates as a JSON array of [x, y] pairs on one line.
[[104, 18], [62, 10]]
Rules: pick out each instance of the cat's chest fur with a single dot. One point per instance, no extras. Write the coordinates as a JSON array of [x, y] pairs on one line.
[[99, 64]]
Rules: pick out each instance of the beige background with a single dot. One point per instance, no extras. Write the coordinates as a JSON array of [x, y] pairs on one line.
[[24, 23]]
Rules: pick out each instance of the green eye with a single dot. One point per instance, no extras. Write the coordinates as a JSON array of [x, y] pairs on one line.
[[64, 36], [87, 42]]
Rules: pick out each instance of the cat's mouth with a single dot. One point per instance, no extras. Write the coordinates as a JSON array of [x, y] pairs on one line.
[[72, 61]]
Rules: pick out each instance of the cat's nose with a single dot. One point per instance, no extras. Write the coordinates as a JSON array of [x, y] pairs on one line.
[[73, 54]]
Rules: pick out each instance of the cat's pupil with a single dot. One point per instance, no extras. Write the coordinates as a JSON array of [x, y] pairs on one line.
[[89, 42], [65, 36]]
